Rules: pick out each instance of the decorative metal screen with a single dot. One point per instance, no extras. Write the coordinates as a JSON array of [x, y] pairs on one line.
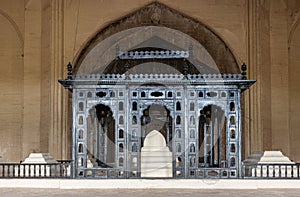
[[198, 115]]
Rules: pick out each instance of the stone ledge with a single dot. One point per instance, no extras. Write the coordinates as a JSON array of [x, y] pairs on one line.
[[150, 184]]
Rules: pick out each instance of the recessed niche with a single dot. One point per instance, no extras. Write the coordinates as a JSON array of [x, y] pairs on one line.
[[178, 120], [121, 120], [134, 147], [192, 106], [121, 161], [157, 94], [80, 120], [121, 106], [178, 148], [101, 94], [192, 148], [232, 107], [89, 95], [212, 94], [232, 148], [80, 148], [232, 120], [121, 147], [232, 162], [178, 133], [178, 106], [121, 133], [232, 135], [112, 94], [200, 94], [134, 106], [192, 133], [80, 106], [80, 134], [223, 94], [134, 120]]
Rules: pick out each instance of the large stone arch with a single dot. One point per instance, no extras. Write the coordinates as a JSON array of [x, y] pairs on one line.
[[213, 51], [158, 14], [11, 87], [294, 93], [14, 26]]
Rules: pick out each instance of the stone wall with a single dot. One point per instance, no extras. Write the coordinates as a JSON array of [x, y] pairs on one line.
[[38, 39]]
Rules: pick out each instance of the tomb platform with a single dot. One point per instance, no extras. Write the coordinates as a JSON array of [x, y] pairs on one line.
[[36, 165], [156, 158], [271, 164]]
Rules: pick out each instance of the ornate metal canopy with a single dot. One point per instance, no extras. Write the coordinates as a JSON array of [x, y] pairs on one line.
[[199, 116]]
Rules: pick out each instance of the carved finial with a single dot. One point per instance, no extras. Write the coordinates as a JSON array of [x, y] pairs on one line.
[[69, 69], [126, 66], [244, 69], [185, 68]]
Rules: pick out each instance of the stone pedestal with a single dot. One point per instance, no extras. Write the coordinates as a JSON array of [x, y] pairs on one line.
[[274, 159], [31, 165], [156, 158]]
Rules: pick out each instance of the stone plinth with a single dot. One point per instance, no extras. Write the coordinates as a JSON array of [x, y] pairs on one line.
[[156, 158], [39, 158], [274, 159], [32, 161]]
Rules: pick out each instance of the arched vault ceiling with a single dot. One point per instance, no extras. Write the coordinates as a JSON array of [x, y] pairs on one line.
[[145, 37], [156, 24]]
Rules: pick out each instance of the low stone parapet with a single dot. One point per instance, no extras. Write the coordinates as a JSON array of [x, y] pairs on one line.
[[275, 171]]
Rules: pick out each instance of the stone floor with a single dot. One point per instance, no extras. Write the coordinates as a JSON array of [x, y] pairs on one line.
[[11, 192]]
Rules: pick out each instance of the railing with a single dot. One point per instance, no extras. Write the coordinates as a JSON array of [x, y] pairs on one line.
[[62, 169], [215, 77], [210, 173], [104, 173], [153, 54], [197, 79], [199, 173], [114, 77], [271, 171]]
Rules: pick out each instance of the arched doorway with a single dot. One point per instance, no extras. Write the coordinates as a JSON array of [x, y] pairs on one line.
[[157, 117], [212, 137], [101, 132]]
